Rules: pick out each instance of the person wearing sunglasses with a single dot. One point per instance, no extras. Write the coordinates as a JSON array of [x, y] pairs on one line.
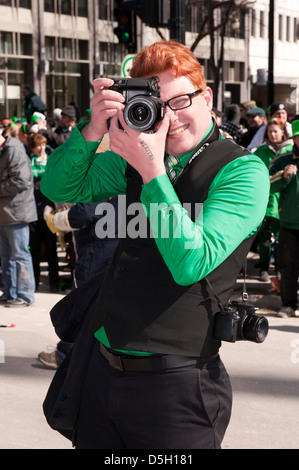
[[152, 375]]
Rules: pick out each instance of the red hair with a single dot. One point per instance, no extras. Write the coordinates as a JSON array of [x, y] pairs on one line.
[[168, 55]]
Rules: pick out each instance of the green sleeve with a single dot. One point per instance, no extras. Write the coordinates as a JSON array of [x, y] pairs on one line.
[[75, 173], [234, 209]]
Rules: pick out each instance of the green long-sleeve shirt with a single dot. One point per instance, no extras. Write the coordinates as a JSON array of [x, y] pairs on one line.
[[233, 210], [289, 189], [268, 155]]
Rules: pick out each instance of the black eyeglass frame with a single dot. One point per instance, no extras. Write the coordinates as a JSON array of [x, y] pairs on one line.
[[190, 96]]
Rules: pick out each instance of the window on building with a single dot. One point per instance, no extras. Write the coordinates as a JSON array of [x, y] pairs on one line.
[[66, 7], [104, 53], [296, 30], [66, 49], [280, 27], [253, 22], [194, 17], [83, 49], [49, 46], [104, 6], [118, 53], [110, 58], [288, 27], [262, 24], [25, 4], [16, 3], [25, 44], [235, 71], [6, 43], [82, 8], [49, 6]]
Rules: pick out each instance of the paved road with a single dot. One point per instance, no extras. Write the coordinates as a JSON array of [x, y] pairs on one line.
[[265, 380]]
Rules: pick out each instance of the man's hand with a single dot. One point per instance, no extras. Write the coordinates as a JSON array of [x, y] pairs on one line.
[[104, 105], [289, 170], [144, 151]]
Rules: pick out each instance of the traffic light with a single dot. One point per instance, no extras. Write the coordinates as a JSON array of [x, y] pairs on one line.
[[124, 18], [154, 13]]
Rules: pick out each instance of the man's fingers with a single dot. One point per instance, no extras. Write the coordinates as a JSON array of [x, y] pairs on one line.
[[100, 83]]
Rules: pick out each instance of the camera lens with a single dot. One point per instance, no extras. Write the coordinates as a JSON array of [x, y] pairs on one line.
[[255, 328], [140, 113]]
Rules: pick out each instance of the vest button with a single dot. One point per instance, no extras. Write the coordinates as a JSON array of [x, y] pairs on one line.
[[121, 269], [112, 291]]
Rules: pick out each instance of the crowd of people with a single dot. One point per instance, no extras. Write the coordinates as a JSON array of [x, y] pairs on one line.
[[267, 133], [146, 285], [274, 138]]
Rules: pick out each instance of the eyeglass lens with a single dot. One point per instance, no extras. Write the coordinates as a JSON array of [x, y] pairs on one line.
[[180, 102]]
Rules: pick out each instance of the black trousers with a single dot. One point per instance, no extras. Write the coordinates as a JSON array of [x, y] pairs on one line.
[[288, 264], [41, 234], [182, 408]]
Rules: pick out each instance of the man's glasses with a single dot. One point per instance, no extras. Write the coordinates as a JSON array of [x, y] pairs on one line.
[[181, 101]]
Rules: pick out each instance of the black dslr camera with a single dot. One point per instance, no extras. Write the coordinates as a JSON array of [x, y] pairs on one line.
[[238, 322], [143, 106]]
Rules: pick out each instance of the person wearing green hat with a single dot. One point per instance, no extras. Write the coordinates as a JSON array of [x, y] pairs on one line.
[[284, 177], [86, 116]]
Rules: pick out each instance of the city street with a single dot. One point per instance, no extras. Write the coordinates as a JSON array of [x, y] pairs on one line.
[[265, 379]]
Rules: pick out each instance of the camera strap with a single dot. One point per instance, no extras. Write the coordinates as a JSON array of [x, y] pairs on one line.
[[244, 293]]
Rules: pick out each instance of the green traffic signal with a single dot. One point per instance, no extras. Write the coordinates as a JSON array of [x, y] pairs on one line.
[[122, 34]]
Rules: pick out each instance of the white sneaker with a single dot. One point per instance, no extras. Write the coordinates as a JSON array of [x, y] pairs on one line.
[[264, 276], [286, 312]]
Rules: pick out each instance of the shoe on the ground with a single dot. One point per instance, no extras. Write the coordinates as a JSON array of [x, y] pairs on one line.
[[50, 360], [286, 312], [16, 303], [3, 300], [264, 276]]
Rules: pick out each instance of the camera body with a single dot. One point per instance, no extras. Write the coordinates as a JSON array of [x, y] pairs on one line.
[[238, 322], [143, 107]]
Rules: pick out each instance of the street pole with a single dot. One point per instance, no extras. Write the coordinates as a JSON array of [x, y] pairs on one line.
[[271, 54], [177, 20]]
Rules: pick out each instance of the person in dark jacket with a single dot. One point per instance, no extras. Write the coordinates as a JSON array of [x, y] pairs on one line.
[[17, 210], [93, 253], [64, 129], [231, 126], [152, 375], [32, 103]]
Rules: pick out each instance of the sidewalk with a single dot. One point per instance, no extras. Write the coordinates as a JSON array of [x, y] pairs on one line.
[[265, 377]]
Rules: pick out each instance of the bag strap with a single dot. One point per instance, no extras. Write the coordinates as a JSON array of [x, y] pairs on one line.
[[244, 293]]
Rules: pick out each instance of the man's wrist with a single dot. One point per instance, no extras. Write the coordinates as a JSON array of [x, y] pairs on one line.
[[90, 134]]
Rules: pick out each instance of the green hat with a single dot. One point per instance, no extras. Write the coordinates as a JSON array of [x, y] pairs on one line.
[[295, 127]]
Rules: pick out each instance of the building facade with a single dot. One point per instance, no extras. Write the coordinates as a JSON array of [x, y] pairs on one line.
[[285, 41], [59, 46]]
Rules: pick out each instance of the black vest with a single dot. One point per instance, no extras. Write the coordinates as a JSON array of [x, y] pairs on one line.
[[140, 305]]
